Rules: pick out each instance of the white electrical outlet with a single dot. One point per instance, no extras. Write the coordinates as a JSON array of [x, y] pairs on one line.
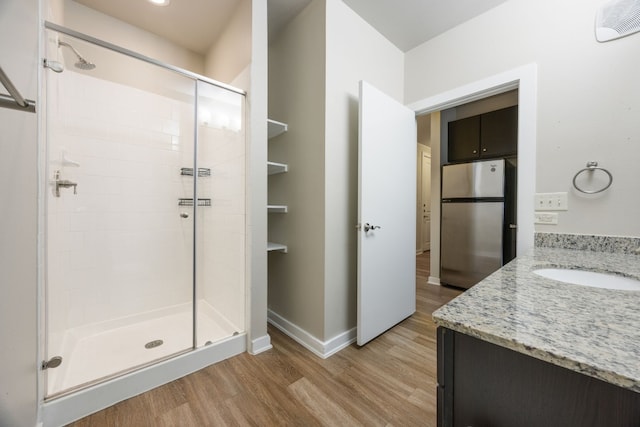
[[549, 218], [551, 202]]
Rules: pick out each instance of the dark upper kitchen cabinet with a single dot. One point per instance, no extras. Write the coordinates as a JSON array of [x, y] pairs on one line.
[[464, 139], [499, 132], [489, 135]]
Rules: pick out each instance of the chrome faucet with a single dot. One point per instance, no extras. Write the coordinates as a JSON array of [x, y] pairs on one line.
[[64, 183]]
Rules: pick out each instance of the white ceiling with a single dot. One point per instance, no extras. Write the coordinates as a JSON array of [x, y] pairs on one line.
[[409, 23], [195, 24]]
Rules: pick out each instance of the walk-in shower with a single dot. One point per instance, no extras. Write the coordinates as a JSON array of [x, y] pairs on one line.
[[143, 198]]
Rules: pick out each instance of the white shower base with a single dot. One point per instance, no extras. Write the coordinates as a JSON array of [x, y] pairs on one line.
[[102, 350]]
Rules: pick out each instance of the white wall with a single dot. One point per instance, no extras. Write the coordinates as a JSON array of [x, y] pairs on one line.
[[256, 172], [586, 107], [18, 211], [231, 52], [355, 51]]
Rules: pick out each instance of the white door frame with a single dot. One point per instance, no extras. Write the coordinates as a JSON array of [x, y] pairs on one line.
[[524, 79]]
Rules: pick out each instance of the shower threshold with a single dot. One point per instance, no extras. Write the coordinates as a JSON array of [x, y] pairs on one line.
[[71, 407], [103, 350]]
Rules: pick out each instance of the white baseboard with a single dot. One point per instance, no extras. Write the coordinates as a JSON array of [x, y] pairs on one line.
[[434, 280], [260, 344], [321, 349]]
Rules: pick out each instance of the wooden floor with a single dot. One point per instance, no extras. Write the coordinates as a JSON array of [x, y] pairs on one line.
[[388, 382]]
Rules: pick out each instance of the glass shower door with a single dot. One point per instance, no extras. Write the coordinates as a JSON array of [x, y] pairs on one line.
[[119, 214], [220, 221]]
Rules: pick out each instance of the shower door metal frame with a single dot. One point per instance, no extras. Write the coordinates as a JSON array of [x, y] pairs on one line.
[[85, 37]]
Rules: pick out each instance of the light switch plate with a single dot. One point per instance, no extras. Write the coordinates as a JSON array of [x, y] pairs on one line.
[[551, 202], [548, 218]]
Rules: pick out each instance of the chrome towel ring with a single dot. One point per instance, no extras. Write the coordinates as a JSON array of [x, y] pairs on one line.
[[592, 167]]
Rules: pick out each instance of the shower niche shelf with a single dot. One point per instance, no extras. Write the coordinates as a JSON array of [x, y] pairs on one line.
[[276, 128]]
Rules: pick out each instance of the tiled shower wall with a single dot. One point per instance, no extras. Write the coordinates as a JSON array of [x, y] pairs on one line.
[[119, 246]]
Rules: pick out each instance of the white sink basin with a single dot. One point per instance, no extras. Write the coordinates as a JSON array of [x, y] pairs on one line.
[[590, 278]]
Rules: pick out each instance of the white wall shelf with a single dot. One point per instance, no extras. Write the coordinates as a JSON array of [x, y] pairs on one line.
[[277, 208], [276, 247], [276, 128], [274, 168]]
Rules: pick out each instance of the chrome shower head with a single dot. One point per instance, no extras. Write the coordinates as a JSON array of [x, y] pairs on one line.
[[82, 63]]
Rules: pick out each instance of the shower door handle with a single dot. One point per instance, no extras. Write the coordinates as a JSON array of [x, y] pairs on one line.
[[184, 215]]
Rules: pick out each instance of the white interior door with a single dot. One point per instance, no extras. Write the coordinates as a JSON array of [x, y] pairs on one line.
[[426, 202], [386, 213]]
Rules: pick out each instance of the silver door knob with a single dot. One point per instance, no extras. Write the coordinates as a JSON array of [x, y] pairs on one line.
[[184, 215], [368, 227]]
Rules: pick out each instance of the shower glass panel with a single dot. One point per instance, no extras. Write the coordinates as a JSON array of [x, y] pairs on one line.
[[220, 227], [119, 262]]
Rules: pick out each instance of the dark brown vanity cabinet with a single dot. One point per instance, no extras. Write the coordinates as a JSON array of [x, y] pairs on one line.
[[483, 384], [489, 135]]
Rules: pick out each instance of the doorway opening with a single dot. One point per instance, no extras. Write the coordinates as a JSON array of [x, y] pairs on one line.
[[524, 79], [423, 185]]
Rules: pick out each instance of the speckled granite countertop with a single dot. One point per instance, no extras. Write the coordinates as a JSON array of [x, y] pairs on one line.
[[593, 331]]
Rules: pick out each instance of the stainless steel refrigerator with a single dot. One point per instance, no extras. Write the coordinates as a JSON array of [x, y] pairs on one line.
[[476, 221]]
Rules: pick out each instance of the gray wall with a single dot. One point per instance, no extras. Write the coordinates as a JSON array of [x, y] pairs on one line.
[[297, 97], [315, 64], [18, 218]]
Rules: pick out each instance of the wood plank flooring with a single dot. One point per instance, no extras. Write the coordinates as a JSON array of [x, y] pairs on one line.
[[389, 382]]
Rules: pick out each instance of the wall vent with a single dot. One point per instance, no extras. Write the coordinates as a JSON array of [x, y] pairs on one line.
[[617, 19]]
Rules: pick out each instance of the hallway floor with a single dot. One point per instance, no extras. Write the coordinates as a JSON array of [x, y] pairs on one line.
[[390, 381]]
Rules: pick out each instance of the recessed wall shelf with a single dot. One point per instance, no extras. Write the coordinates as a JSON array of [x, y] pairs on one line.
[[277, 208], [274, 168], [276, 128], [276, 247]]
